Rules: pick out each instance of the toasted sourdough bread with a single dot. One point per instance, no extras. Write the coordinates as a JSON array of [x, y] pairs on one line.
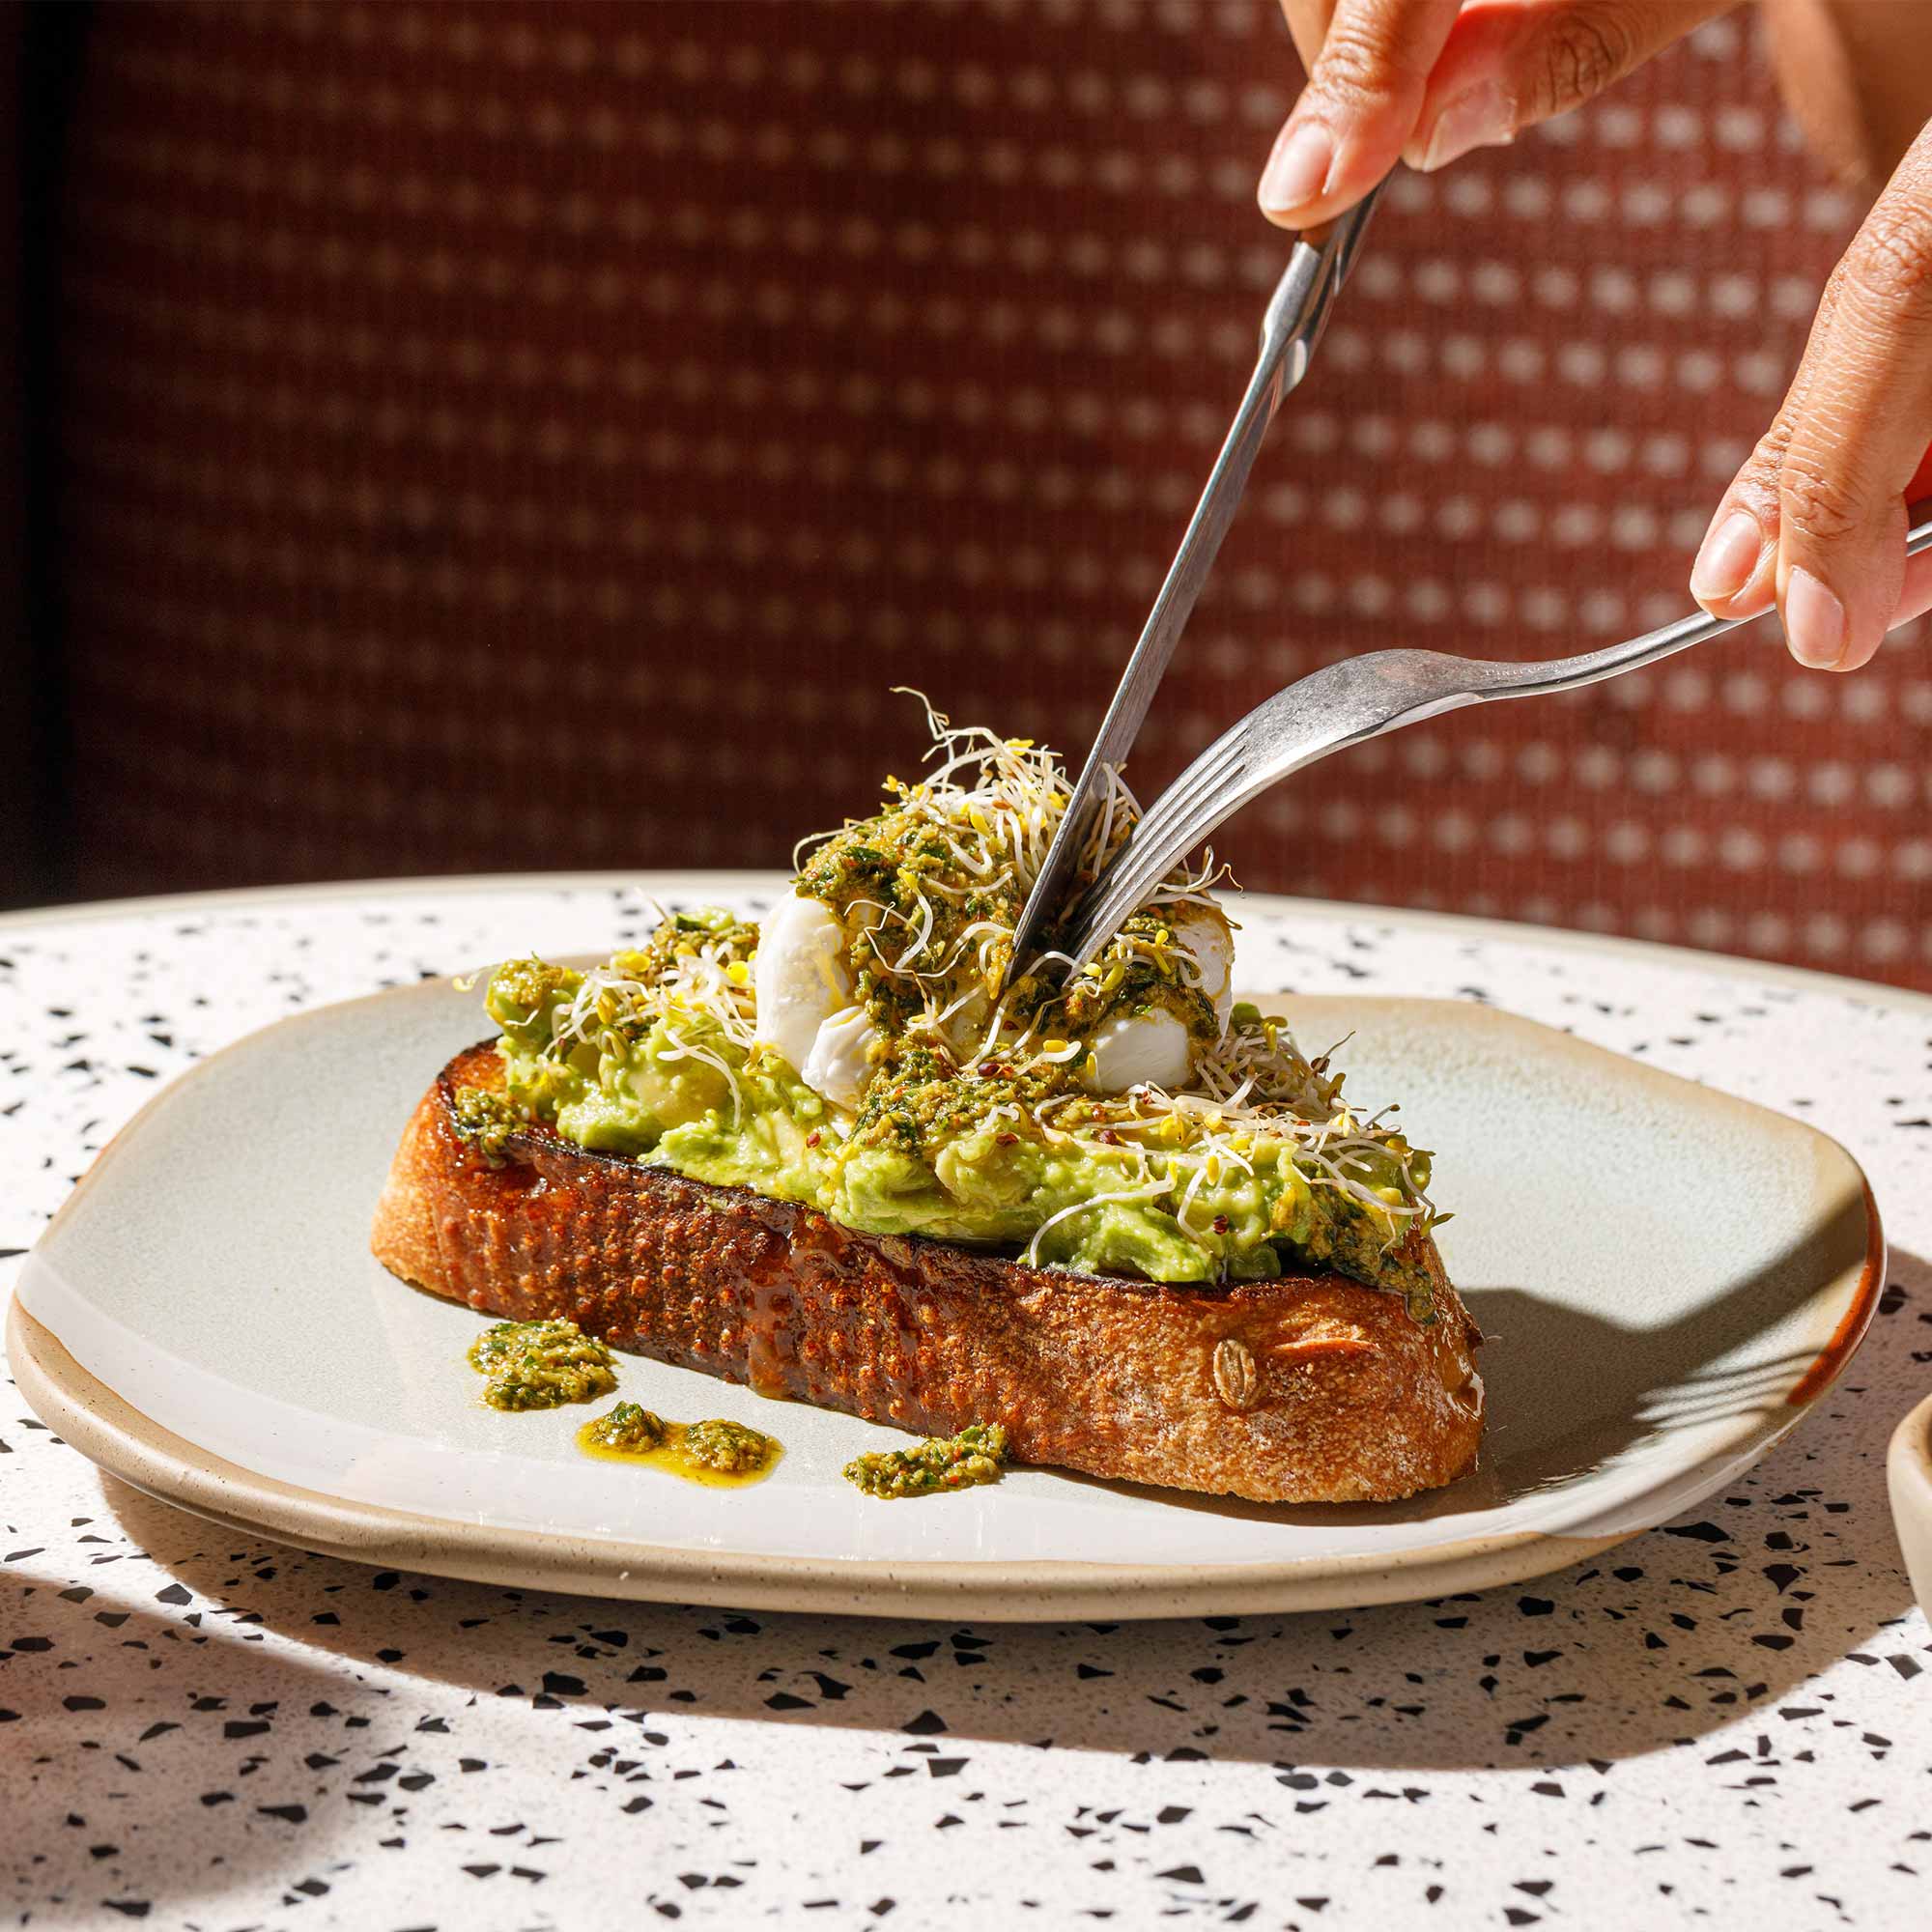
[[1309, 1388]]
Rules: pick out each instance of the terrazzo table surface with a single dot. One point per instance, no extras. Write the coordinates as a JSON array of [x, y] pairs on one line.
[[1729, 1719]]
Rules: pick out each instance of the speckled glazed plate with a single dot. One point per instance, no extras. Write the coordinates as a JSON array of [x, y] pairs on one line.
[[1667, 1277]]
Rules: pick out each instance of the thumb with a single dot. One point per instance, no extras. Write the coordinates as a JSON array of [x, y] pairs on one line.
[[1505, 68]]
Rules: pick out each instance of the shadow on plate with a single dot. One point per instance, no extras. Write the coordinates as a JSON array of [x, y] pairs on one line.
[[1568, 1389]]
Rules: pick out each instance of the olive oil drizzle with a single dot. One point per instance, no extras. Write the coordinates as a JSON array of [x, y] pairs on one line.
[[673, 1458]]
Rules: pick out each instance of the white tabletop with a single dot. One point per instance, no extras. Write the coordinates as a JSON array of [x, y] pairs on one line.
[[1728, 1718]]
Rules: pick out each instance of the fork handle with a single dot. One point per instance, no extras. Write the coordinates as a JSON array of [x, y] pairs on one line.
[[1521, 680], [1345, 703], [1484, 680]]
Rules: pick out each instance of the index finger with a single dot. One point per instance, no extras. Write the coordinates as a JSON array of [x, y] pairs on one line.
[[1365, 92], [1307, 27]]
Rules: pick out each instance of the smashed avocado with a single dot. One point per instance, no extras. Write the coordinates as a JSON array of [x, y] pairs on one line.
[[958, 1155]]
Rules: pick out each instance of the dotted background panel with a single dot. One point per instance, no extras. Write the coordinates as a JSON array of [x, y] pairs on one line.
[[507, 436], [20, 669]]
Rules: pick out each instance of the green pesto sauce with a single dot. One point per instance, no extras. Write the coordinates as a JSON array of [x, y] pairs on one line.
[[1131, 980], [629, 1428], [885, 860], [486, 1119], [727, 1448], [934, 1467], [918, 1104], [541, 1365]]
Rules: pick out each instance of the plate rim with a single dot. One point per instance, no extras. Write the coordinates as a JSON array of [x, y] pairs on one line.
[[460, 885], [88, 1414]]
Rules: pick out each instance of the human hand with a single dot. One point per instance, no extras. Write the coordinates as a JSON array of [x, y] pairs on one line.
[[1426, 80], [1815, 520]]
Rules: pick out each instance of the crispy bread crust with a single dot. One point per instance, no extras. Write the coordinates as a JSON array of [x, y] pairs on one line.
[[1304, 1389]]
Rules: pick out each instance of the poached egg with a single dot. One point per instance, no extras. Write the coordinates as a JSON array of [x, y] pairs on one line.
[[1154, 1049], [802, 982]]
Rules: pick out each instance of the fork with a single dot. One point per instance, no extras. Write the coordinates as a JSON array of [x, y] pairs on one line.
[[1343, 704]]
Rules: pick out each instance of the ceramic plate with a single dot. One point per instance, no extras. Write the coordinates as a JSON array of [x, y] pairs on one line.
[[1667, 1278]]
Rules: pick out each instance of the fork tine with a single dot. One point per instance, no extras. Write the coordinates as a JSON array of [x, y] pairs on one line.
[[1233, 769], [1177, 806], [1345, 704], [1179, 803], [1140, 868], [1212, 769], [1157, 845]]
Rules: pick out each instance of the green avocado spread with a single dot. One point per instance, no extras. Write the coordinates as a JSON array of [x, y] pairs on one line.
[[981, 1117]]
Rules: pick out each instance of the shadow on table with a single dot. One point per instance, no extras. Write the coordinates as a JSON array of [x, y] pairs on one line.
[[1652, 1644], [119, 1801]]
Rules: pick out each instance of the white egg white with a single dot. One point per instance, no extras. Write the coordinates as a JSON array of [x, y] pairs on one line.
[[838, 1065], [1154, 1049], [1140, 1050], [800, 977], [1205, 932]]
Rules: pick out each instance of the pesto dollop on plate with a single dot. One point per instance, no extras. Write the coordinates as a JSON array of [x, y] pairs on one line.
[[934, 1467], [541, 1365]]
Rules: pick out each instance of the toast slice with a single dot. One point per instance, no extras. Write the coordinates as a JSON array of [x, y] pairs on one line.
[[1309, 1388]]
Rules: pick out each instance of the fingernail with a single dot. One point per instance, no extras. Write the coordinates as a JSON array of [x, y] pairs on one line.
[[1482, 117], [1814, 622], [1297, 169], [1729, 555]]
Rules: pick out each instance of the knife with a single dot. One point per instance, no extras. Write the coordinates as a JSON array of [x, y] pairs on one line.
[[1297, 312]]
